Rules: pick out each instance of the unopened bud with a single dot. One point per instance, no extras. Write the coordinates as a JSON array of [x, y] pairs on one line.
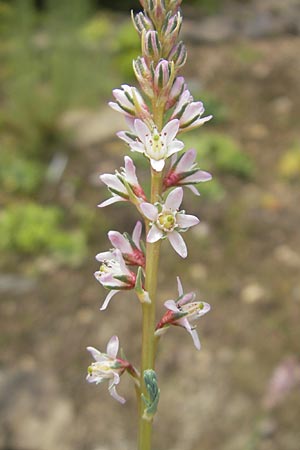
[[143, 75], [170, 31], [178, 87], [141, 22], [151, 47], [163, 76], [178, 54]]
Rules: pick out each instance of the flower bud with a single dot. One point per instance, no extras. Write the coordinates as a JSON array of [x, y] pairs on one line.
[[178, 54], [177, 89], [170, 31], [141, 22], [151, 47], [163, 77], [172, 5], [143, 75]]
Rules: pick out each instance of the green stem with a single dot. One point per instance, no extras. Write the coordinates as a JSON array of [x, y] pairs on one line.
[[148, 340]]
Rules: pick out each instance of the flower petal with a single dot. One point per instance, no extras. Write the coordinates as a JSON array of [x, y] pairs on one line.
[[195, 338], [171, 305], [112, 347], [170, 130], [149, 210], [187, 161], [112, 181], [136, 234], [157, 165], [179, 287], [155, 234], [177, 243], [174, 199], [193, 189], [98, 356], [198, 177], [186, 220], [108, 299], [111, 200], [174, 147], [119, 241], [141, 130], [115, 395]]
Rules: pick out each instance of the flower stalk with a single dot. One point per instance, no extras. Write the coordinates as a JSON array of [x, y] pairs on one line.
[[154, 124]]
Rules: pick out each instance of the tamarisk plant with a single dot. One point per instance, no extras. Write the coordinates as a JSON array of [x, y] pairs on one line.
[[156, 115]]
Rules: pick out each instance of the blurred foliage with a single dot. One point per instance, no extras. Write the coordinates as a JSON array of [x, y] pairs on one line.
[[221, 152], [32, 229], [289, 163], [20, 174]]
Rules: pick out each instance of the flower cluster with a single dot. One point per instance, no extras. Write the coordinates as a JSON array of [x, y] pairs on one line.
[[156, 113]]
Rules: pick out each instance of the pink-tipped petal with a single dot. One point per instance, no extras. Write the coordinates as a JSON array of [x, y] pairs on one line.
[[110, 201], [198, 177], [174, 199], [130, 171], [113, 182], [118, 241], [195, 338], [154, 235], [187, 298], [177, 243], [104, 256], [157, 165], [108, 299], [115, 395], [136, 235], [193, 189], [112, 347], [171, 305], [186, 220], [186, 161], [149, 211], [98, 356], [124, 136], [179, 287]]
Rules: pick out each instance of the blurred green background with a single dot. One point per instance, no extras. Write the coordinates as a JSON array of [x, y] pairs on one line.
[[59, 61]]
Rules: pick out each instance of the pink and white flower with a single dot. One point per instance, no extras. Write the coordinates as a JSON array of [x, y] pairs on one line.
[[189, 112], [114, 274], [184, 172], [123, 185], [107, 367], [166, 221], [155, 145], [130, 102], [129, 246], [183, 312]]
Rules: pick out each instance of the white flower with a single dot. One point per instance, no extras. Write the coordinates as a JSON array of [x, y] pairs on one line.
[[129, 245], [167, 221], [118, 184], [130, 102], [189, 112], [114, 274], [155, 145], [107, 367], [183, 312], [184, 172]]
